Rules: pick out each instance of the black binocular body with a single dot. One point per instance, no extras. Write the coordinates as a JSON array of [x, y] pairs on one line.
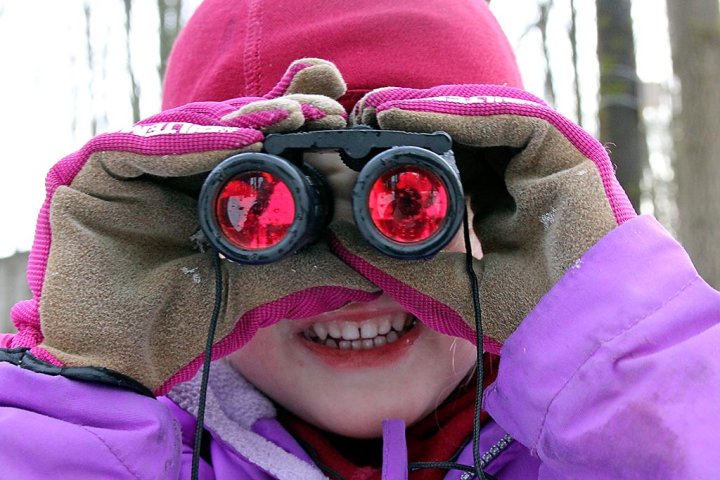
[[258, 207]]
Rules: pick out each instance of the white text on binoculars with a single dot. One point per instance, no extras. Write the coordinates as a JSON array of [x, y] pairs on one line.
[[364, 335], [175, 128]]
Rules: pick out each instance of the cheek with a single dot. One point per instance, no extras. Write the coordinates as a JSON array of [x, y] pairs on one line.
[[453, 359], [261, 361], [457, 244]]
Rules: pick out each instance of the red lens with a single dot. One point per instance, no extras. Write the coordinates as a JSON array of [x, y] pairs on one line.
[[408, 204], [255, 210]]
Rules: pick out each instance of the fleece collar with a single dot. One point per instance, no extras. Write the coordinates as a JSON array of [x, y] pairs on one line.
[[232, 406]]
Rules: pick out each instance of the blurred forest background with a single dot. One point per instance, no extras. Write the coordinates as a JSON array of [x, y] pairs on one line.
[[106, 58]]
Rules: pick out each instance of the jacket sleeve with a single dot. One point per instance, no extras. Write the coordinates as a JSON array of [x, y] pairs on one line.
[[54, 427], [616, 373]]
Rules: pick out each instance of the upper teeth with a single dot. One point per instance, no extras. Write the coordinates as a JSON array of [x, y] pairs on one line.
[[357, 335]]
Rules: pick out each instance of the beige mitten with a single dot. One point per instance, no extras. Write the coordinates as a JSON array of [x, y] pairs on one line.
[[121, 285], [542, 191]]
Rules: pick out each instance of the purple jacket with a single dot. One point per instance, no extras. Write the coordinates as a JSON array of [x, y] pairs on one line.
[[614, 375]]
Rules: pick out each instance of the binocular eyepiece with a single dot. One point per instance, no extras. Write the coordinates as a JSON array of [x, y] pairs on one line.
[[256, 208]]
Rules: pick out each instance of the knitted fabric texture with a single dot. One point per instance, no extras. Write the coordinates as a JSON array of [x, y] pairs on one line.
[[240, 48]]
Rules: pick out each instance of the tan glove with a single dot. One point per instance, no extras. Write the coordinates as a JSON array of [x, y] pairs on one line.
[[542, 191], [125, 287]]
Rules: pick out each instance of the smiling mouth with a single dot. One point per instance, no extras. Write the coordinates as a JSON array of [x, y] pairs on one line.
[[364, 335]]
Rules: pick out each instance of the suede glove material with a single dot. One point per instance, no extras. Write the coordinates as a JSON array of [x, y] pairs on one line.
[[542, 191], [125, 287]]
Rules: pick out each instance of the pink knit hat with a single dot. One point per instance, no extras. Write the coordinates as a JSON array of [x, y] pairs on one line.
[[235, 48]]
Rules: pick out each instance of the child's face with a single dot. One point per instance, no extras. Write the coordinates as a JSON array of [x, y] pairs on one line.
[[405, 374]]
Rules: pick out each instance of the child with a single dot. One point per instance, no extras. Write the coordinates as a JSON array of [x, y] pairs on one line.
[[609, 361]]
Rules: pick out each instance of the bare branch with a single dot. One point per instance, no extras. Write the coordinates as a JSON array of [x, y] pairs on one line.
[[170, 14]]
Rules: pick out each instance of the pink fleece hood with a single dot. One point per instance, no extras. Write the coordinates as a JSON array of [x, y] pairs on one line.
[[235, 48]]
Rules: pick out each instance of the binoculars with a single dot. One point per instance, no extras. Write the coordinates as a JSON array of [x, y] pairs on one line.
[[407, 201]]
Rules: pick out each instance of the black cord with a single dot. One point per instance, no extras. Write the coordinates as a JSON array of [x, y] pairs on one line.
[[476, 468], [200, 425], [479, 344], [441, 465]]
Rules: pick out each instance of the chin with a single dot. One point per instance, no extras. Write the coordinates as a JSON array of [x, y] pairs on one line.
[[366, 420], [355, 409]]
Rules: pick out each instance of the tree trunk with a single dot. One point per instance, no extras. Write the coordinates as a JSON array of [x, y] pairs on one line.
[[695, 42], [14, 287], [134, 88], [621, 127], [575, 63], [170, 13], [544, 8]]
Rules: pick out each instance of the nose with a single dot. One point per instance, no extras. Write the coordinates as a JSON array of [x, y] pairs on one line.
[[340, 178]]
